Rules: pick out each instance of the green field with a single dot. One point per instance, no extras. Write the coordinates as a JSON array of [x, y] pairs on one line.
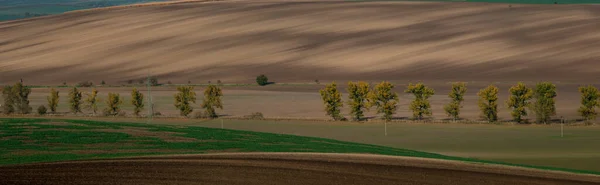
[[521, 144], [45, 140]]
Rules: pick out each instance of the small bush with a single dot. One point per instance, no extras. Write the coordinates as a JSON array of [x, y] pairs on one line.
[[255, 115], [103, 83], [262, 80], [169, 82], [317, 81], [129, 81], [189, 82], [41, 110], [200, 115], [85, 84], [154, 81], [64, 83], [219, 82]]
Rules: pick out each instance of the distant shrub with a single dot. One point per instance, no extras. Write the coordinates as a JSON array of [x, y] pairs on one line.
[[169, 82], [103, 83], [209, 82], [64, 83], [262, 80], [41, 110], [255, 115], [85, 84], [189, 82], [317, 81], [200, 115], [219, 82], [129, 81], [153, 81]]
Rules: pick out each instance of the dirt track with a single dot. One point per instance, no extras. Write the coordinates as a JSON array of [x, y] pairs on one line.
[[294, 41], [283, 168]]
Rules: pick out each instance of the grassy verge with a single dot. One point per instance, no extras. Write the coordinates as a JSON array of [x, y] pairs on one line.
[[44, 140]]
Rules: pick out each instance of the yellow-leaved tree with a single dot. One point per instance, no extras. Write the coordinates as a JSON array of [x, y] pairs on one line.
[[420, 106], [488, 103], [184, 99], [384, 99], [518, 101], [332, 99], [457, 96], [357, 94], [212, 100]]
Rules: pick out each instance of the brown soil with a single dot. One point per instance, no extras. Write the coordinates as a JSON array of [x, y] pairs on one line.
[[281, 168], [293, 41]]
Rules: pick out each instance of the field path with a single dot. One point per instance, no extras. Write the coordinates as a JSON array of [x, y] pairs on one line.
[[281, 168]]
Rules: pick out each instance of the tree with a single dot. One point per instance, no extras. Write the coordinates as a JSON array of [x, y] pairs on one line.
[[91, 102], [9, 100], [488, 104], [544, 105], [103, 83], [212, 100], [332, 99], [519, 101], [420, 106], [457, 95], [262, 80], [53, 100], [137, 100], [357, 94], [75, 100], [20, 95], [589, 102], [384, 99], [183, 98], [113, 104]]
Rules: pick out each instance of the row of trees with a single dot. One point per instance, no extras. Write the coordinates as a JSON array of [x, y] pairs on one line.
[[16, 100], [540, 100]]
